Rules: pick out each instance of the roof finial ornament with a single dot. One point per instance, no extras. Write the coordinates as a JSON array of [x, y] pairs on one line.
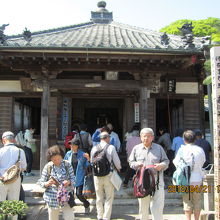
[[3, 37], [27, 36], [164, 39], [101, 4], [102, 15]]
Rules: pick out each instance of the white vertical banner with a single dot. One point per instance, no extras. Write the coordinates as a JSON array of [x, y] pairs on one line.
[[136, 112], [65, 117], [215, 67]]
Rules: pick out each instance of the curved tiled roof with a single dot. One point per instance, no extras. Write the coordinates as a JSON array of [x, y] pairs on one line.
[[101, 35]]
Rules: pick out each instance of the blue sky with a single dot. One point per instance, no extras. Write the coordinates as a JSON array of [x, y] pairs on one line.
[[151, 14]]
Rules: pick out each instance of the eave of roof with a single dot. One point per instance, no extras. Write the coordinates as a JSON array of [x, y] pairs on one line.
[[98, 50]]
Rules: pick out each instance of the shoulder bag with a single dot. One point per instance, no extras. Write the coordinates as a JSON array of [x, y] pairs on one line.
[[12, 173]]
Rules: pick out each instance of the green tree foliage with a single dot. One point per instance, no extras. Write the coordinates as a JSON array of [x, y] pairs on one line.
[[205, 27]]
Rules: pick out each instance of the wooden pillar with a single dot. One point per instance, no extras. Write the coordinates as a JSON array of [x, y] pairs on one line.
[[128, 116], [6, 109], [44, 123], [215, 63], [144, 105]]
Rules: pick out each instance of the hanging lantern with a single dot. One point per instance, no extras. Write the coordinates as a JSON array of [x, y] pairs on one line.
[[193, 59]]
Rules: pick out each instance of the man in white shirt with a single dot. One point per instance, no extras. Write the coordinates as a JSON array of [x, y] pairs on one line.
[[144, 154], [114, 136], [194, 156], [30, 142], [103, 183], [9, 155]]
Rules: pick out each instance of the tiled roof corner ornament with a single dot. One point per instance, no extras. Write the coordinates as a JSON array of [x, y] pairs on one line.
[[188, 41], [102, 15], [164, 39], [187, 35], [3, 37], [187, 28], [27, 36], [206, 41]]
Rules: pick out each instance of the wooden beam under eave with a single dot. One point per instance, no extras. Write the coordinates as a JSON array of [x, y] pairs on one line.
[[79, 67], [97, 84]]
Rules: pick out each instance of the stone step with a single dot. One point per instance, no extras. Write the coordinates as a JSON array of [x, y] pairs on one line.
[[32, 201], [34, 190], [118, 213]]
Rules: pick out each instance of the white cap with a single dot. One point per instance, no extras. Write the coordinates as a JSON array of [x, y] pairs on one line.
[[7, 133], [109, 125], [104, 135]]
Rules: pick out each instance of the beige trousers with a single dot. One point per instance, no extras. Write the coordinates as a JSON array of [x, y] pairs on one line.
[[11, 192], [103, 186], [68, 213], [156, 204]]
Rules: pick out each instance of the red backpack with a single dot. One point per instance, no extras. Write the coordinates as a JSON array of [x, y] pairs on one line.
[[144, 182], [68, 138]]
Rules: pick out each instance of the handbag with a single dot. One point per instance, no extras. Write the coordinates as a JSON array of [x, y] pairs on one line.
[[71, 200], [88, 186], [33, 147], [12, 173], [116, 180]]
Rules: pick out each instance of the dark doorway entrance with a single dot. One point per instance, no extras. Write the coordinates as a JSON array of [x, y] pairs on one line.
[[97, 112], [98, 117], [169, 114], [27, 114]]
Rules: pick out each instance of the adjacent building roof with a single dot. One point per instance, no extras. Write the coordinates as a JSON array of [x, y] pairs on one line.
[[103, 33]]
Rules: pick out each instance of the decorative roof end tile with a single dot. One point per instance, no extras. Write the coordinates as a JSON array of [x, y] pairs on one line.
[[164, 39], [157, 47], [53, 45], [27, 36]]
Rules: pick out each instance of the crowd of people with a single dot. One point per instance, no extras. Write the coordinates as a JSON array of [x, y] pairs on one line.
[[65, 172]]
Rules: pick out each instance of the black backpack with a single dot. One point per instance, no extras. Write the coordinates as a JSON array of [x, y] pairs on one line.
[[101, 164]]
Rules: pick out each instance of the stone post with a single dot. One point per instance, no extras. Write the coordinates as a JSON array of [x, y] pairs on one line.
[[209, 197], [215, 67]]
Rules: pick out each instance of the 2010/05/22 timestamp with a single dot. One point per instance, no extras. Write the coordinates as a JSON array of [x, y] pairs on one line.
[[192, 188]]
